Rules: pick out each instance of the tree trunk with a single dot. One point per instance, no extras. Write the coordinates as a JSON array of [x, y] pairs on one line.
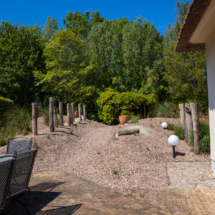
[[55, 115], [79, 109], [34, 118], [61, 113], [182, 114], [72, 113], [51, 118], [68, 115], [84, 112], [195, 117]]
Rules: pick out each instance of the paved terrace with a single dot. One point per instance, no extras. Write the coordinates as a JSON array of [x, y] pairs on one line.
[[61, 193]]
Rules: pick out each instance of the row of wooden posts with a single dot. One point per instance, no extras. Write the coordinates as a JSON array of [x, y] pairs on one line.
[[53, 115], [190, 121]]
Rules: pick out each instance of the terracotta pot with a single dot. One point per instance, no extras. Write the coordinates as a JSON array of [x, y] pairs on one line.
[[123, 119], [76, 114]]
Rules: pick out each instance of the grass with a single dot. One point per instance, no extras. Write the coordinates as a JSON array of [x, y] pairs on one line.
[[147, 148], [152, 125], [180, 132], [134, 133], [35, 144], [98, 153], [71, 130], [119, 126], [114, 137], [171, 127], [48, 136], [204, 138], [115, 172], [135, 118], [15, 121]]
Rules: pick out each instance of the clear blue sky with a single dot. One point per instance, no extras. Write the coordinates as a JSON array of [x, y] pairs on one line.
[[29, 12]]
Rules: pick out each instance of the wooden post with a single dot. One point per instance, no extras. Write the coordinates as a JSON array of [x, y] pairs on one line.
[[68, 115], [182, 114], [79, 109], [51, 118], [195, 117], [55, 115], [189, 124], [84, 112], [61, 113], [72, 113], [34, 118], [186, 123]]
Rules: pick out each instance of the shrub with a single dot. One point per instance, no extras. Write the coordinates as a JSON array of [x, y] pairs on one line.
[[171, 127], [6, 104], [180, 132], [135, 118], [166, 109], [15, 121], [204, 138]]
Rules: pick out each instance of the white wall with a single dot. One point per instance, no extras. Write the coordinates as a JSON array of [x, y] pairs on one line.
[[210, 54]]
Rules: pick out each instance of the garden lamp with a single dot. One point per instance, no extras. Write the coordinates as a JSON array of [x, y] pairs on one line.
[[164, 125], [173, 140]]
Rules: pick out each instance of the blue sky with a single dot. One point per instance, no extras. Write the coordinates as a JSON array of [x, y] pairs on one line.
[[29, 12]]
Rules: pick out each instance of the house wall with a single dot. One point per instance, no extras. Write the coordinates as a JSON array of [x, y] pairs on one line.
[[210, 55]]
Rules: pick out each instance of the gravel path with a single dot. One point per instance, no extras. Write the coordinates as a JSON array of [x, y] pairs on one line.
[[91, 152]]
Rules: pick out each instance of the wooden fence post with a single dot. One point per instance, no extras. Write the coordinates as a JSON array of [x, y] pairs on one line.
[[195, 117], [68, 114], [51, 118], [34, 118], [84, 112], [72, 113], [79, 109], [189, 124], [61, 113], [55, 115], [182, 114], [186, 123]]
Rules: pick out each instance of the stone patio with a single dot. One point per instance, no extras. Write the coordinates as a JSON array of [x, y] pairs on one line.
[[61, 193]]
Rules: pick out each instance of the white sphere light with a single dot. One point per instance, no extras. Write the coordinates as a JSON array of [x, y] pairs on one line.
[[173, 140], [164, 125]]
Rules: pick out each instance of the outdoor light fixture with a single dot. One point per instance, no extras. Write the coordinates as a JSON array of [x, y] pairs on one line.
[[164, 125], [173, 141]]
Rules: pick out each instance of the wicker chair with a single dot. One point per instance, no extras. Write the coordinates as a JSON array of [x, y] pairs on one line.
[[15, 145], [6, 169], [21, 174]]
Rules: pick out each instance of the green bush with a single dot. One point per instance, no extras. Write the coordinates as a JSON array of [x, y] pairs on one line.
[[6, 104], [166, 109], [180, 132], [171, 127], [204, 138], [135, 118], [15, 121]]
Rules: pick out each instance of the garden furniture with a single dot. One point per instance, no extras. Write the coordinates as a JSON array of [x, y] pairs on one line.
[[6, 169], [14, 144]]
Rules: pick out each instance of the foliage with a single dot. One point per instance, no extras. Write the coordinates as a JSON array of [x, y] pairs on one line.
[[204, 138], [44, 112], [66, 65], [80, 23], [126, 113], [184, 72], [21, 52], [115, 172], [179, 132], [15, 121], [135, 118], [6, 104], [166, 109], [50, 28], [171, 127], [107, 108]]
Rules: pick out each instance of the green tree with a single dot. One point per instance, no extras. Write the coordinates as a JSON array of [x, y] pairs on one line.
[[21, 52], [50, 28], [66, 56], [185, 72], [80, 23]]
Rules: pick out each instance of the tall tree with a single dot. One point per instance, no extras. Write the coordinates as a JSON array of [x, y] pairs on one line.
[[80, 23], [185, 72], [66, 60], [21, 52], [50, 28]]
